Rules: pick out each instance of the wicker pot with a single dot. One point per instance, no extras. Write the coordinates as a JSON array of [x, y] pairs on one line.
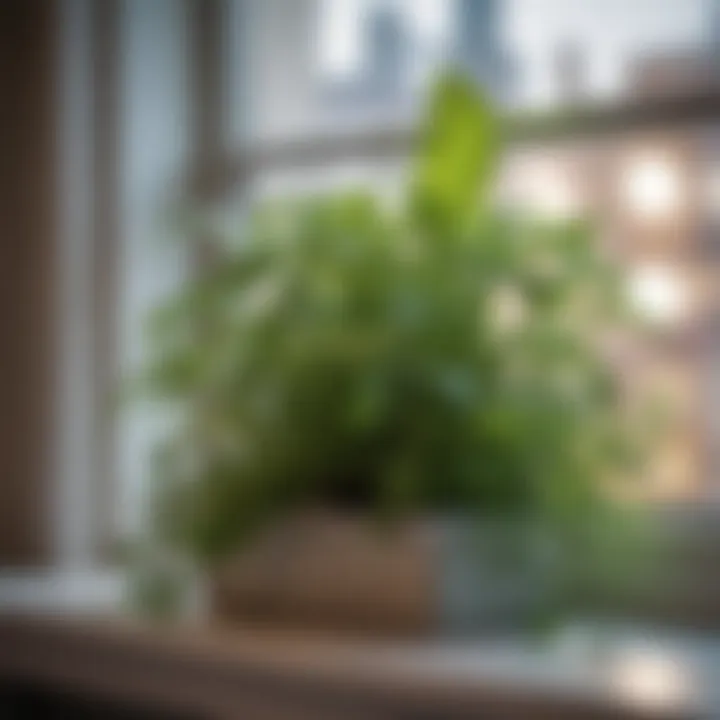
[[420, 577]]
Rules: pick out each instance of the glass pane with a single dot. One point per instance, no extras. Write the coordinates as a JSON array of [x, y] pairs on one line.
[[330, 65]]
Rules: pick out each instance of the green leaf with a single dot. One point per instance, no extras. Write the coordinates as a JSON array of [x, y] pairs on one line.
[[457, 155]]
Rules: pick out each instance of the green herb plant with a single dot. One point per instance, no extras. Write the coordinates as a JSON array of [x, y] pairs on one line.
[[440, 355]]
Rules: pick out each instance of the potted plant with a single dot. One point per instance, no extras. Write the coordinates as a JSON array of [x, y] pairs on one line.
[[393, 418]]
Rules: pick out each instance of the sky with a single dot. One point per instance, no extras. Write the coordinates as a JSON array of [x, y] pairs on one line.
[[610, 32]]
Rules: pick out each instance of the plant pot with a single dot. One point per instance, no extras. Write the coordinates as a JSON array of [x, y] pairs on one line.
[[421, 576]]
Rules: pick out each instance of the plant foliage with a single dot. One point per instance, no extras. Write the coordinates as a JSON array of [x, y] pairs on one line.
[[437, 356]]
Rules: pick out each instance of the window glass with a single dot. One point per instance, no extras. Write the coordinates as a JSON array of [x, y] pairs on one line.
[[324, 65]]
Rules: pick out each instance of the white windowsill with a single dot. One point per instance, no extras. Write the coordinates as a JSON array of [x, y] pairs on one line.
[[66, 591]]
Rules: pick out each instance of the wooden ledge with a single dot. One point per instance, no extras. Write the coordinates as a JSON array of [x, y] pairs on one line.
[[254, 673]]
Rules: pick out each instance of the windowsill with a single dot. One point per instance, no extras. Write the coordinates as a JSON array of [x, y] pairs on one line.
[[60, 591], [220, 671]]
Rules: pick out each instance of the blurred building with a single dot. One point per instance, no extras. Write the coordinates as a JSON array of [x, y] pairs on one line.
[[381, 81], [479, 48], [713, 34], [646, 171], [390, 47], [570, 74], [680, 72], [387, 54]]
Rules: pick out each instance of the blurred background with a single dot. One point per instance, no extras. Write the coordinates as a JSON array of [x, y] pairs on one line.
[[118, 109]]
